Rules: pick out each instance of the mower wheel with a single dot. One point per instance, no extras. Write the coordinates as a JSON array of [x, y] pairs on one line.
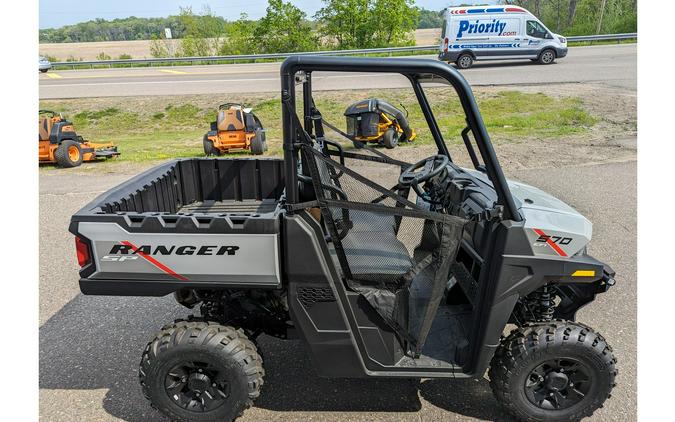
[[196, 370], [557, 371], [68, 154], [209, 148], [257, 143], [390, 138]]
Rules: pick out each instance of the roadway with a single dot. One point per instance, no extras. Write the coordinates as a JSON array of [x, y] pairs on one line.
[[90, 346], [613, 65]]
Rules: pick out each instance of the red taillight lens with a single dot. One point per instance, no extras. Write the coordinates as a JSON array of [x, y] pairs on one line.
[[445, 44], [83, 257]]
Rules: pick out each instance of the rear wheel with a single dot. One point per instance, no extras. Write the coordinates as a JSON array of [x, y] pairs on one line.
[[257, 143], [546, 57], [44, 70], [68, 154], [390, 138], [464, 61], [209, 148], [558, 371], [201, 371]]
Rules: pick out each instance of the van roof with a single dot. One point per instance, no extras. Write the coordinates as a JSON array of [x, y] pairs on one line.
[[484, 9]]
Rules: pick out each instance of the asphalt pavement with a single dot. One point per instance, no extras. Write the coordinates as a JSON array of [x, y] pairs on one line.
[[90, 346], [614, 65]]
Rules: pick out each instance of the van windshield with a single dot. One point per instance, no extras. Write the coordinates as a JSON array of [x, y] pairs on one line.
[[537, 30]]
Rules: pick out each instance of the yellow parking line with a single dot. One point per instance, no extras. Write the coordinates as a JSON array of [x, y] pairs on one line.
[[175, 72], [54, 75]]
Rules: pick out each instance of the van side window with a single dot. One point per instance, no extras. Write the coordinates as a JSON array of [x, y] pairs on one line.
[[535, 29]]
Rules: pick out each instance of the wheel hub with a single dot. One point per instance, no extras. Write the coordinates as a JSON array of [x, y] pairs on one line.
[[558, 384], [556, 381], [197, 386], [199, 382]]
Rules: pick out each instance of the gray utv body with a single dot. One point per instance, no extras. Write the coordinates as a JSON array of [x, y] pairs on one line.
[[381, 284]]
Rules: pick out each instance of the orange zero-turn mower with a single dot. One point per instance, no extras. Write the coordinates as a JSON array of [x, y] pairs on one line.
[[59, 144], [235, 128]]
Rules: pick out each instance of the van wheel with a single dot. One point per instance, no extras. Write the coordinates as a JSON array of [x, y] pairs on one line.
[[546, 57], [68, 154], [390, 138], [557, 371], [196, 370], [464, 61]]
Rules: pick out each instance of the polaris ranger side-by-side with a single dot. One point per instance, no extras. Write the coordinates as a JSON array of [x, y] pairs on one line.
[[416, 280]]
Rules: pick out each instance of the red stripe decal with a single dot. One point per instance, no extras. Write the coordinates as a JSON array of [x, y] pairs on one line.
[[154, 262], [550, 242]]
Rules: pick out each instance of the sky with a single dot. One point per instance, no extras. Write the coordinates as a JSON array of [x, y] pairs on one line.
[[57, 13]]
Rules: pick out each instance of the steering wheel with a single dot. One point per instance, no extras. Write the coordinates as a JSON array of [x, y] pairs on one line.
[[431, 167]]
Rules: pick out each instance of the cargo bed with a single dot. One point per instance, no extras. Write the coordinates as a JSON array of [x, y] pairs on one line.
[[186, 223]]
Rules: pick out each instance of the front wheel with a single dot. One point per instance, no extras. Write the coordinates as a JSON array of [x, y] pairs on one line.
[[390, 138], [546, 57], [201, 371], [558, 371]]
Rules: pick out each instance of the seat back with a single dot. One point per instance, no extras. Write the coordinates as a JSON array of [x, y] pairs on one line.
[[230, 120], [45, 128]]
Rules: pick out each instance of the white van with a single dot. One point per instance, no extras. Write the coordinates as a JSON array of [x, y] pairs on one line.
[[497, 33]]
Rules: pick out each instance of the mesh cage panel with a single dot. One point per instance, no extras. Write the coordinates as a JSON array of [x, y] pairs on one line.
[[394, 253]]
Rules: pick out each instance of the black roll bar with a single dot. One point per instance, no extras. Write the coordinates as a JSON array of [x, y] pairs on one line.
[[406, 67]]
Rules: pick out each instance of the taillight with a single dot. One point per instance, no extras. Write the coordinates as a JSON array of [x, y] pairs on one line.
[[445, 44], [83, 257]]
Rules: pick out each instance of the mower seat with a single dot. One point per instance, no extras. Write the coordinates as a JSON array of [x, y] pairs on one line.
[[45, 128], [230, 120]]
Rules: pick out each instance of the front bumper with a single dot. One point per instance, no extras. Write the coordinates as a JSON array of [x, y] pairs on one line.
[[561, 52]]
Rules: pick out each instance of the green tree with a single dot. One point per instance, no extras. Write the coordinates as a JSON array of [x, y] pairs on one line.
[[429, 19], [393, 22], [239, 37], [202, 33], [352, 24], [284, 29], [344, 23]]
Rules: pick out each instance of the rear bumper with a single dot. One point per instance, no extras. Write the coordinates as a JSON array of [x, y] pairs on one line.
[[448, 56]]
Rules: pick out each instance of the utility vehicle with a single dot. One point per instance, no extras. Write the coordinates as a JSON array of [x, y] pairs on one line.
[[58, 143], [235, 128], [418, 280]]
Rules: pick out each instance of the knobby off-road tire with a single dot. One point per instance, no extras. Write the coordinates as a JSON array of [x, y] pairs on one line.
[[390, 138], [68, 154], [209, 148], [519, 372], [201, 371], [257, 143]]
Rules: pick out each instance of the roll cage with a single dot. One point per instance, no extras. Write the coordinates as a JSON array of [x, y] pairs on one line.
[[297, 69]]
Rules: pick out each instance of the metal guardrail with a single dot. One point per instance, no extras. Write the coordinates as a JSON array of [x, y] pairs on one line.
[[273, 56]]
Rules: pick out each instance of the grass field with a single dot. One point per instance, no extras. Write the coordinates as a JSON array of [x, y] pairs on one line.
[[158, 128]]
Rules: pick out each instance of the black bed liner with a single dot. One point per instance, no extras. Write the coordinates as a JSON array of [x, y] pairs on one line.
[[196, 185]]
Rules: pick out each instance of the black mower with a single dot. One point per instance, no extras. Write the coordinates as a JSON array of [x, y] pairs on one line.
[[376, 121], [450, 273]]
